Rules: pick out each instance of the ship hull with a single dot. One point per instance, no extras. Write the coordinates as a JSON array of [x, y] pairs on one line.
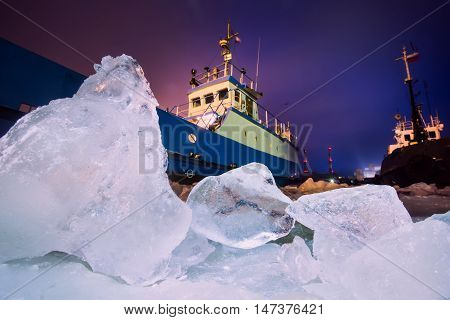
[[194, 153], [211, 154], [427, 162]]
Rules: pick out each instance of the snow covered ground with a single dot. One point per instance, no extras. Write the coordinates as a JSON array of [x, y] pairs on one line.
[[79, 220]]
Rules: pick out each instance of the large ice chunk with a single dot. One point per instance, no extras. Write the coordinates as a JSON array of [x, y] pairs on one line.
[[343, 220], [92, 167], [242, 208], [411, 262]]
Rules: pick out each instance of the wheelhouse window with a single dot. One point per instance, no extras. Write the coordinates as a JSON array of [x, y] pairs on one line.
[[237, 96], [209, 98], [249, 106], [223, 94], [407, 137], [432, 134], [196, 102]]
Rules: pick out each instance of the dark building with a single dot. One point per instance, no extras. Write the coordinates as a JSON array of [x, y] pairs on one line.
[[28, 80]]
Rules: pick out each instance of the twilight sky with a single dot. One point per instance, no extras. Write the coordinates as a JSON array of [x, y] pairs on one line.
[[304, 44]]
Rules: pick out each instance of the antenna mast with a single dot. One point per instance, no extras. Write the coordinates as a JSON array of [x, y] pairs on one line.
[[225, 45], [419, 131], [257, 64]]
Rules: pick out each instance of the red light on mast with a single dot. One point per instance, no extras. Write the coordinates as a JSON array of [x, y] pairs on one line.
[[330, 161], [305, 163]]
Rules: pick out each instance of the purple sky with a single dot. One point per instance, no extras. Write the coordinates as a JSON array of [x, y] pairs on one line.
[[304, 43]]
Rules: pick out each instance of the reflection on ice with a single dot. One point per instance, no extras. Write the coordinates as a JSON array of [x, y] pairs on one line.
[[242, 208]]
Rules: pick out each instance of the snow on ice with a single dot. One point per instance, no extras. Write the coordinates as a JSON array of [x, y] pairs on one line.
[[242, 208], [70, 171], [70, 182]]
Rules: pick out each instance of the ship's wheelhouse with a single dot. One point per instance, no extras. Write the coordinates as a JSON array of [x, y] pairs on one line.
[[404, 132], [218, 89], [213, 98]]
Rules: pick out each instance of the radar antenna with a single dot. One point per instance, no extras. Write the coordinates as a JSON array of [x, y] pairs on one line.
[[225, 45]]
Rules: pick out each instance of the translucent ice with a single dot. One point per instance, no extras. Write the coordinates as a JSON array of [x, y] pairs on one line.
[[444, 217], [271, 270], [242, 208], [86, 175], [411, 262], [191, 251], [72, 280], [249, 268], [297, 262], [326, 290], [343, 220]]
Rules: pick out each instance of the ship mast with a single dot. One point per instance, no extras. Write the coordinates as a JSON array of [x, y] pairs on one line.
[[225, 45], [419, 131]]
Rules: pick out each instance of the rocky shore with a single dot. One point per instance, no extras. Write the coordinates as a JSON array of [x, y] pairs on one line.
[[424, 200], [420, 199]]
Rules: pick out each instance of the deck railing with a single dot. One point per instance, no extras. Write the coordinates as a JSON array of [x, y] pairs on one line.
[[434, 121], [274, 124], [181, 110], [220, 71], [405, 125], [266, 118]]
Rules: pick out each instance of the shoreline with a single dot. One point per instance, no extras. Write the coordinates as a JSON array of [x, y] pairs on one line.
[[418, 206]]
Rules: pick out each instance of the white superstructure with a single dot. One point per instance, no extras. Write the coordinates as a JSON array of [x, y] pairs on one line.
[[404, 133]]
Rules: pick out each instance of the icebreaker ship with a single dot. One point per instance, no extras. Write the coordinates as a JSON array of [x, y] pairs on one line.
[[222, 126]]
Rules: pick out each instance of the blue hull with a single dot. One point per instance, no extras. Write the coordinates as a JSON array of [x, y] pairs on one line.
[[213, 154]]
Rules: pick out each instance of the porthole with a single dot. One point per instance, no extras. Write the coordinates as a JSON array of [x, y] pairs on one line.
[[189, 173], [192, 138]]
